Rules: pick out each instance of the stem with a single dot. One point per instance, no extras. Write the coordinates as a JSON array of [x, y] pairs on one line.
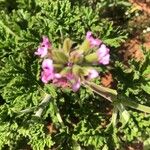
[[107, 93], [111, 95], [58, 114], [27, 110], [76, 146], [136, 106], [42, 105], [114, 116]]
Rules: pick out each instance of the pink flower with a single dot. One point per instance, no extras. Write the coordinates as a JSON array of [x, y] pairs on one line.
[[69, 76], [74, 82], [46, 42], [76, 85], [47, 64], [61, 82], [103, 55], [43, 48], [48, 70], [92, 74], [41, 51], [57, 75], [93, 42]]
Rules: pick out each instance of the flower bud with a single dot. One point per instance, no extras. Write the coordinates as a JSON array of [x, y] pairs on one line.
[[91, 58], [59, 57]]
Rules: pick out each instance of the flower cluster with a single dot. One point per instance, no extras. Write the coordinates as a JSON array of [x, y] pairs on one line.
[[69, 66]]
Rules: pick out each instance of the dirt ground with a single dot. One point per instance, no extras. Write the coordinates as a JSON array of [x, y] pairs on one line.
[[132, 47]]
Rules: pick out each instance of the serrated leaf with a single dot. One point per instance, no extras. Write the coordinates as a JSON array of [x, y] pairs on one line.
[[146, 72], [146, 144], [146, 87]]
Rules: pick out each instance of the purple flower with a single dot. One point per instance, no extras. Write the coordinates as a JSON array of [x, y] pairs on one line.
[[93, 42], [48, 70], [43, 48], [92, 74], [103, 55]]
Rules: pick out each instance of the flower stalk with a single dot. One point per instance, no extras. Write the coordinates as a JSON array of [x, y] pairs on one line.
[[112, 96]]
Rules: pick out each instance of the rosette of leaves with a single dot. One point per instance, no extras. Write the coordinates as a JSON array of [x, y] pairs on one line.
[[21, 26]]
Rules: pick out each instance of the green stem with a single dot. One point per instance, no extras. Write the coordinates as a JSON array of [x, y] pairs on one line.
[[42, 105], [58, 114], [107, 93], [76, 146], [111, 95], [136, 106]]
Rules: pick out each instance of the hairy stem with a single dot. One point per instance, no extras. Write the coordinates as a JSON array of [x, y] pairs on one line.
[[136, 106], [111, 95], [42, 105], [58, 114]]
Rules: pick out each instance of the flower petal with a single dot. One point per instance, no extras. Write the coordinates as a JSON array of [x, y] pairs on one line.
[[45, 42], [47, 64], [41, 51], [46, 76], [76, 85], [92, 74], [93, 42], [105, 60]]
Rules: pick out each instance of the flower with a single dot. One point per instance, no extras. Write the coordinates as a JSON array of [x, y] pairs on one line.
[[71, 81], [93, 42], [92, 73], [103, 55], [48, 70], [72, 72], [76, 85], [46, 42], [43, 48], [61, 82]]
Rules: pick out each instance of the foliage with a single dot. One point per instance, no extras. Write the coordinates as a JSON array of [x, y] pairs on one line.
[[68, 120]]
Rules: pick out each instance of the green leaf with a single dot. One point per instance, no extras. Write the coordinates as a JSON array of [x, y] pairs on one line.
[[146, 87], [146, 144], [76, 70], [146, 72], [114, 116], [105, 147]]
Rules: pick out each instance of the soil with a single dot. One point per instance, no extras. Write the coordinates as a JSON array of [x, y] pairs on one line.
[[132, 47]]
